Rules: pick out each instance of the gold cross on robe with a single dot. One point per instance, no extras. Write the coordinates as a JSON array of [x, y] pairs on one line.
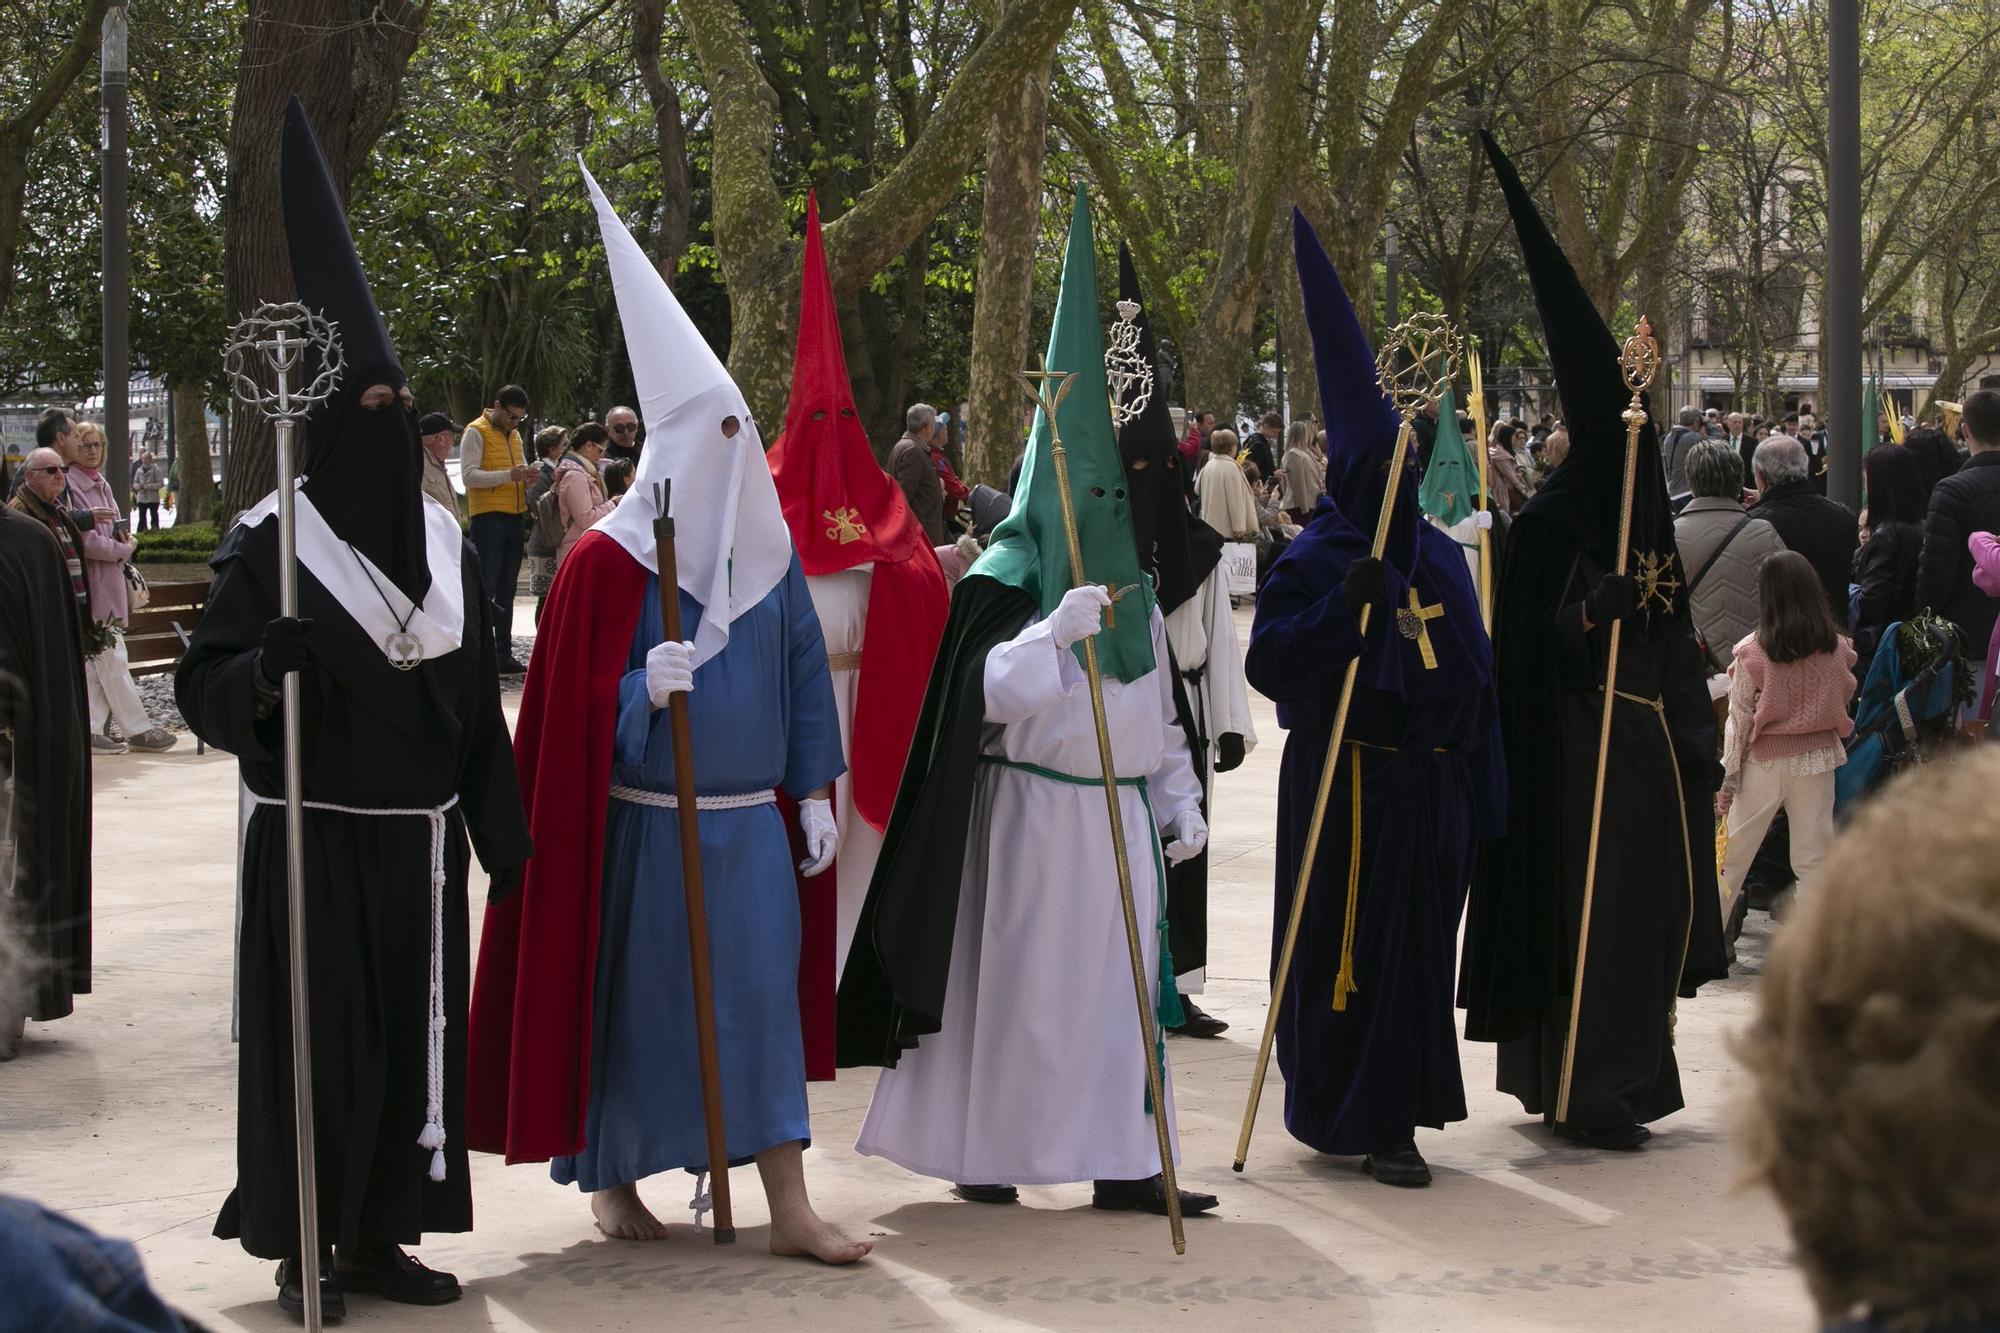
[[1413, 622]]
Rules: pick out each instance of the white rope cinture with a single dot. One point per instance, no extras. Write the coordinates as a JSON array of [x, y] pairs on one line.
[[703, 1201], [432, 1136], [666, 800]]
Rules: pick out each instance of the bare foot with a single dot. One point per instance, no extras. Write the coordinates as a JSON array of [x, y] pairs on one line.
[[622, 1216], [804, 1235]]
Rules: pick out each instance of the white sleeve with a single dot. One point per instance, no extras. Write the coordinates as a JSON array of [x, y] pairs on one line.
[[472, 453], [1228, 693], [1173, 787], [1029, 674]]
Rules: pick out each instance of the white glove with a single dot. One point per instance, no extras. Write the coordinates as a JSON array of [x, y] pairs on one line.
[[816, 822], [1189, 834], [1079, 615], [669, 671], [1482, 520]]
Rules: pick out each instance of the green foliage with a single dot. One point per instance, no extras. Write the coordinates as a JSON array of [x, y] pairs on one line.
[[184, 543]]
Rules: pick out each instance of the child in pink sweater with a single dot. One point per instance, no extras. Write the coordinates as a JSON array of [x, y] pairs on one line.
[[1986, 577], [1789, 688]]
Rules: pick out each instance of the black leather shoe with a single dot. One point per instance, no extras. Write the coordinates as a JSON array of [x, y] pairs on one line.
[[1615, 1138], [1197, 1022], [513, 667], [292, 1293], [1118, 1196], [394, 1276], [987, 1193], [1403, 1166]]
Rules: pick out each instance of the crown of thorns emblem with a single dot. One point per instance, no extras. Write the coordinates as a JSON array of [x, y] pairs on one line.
[[1418, 359], [1126, 370], [274, 339]]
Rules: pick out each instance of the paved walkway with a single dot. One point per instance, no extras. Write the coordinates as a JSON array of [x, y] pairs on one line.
[[124, 1115]]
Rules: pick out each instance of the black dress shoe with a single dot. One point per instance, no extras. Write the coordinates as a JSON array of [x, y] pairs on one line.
[[1117, 1196], [1403, 1166], [987, 1193], [1197, 1022], [1614, 1138], [292, 1293], [394, 1276], [513, 667]]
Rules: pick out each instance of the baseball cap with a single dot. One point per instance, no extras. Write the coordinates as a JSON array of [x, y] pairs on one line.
[[433, 422]]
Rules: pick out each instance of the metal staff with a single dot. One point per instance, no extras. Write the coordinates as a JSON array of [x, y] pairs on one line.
[[1640, 362], [1039, 384], [276, 338], [1476, 402], [1433, 349], [686, 802]]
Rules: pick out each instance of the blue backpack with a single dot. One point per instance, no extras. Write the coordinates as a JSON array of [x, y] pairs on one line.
[[1908, 705]]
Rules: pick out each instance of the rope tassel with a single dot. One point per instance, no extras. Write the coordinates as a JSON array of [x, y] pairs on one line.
[[1343, 982]]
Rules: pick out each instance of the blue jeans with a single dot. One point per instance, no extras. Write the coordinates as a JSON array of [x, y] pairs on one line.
[[498, 539]]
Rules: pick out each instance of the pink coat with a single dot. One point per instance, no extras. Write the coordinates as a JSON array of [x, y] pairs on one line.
[[1986, 577], [104, 556], [581, 502]]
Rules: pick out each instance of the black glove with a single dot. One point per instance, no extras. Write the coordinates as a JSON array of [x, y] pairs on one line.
[[1615, 597], [286, 647], [1229, 747], [1365, 580], [501, 884]]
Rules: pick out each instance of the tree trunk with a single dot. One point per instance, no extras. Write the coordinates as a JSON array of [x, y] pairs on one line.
[[345, 60], [194, 496], [648, 24], [760, 260], [1010, 218], [22, 124]]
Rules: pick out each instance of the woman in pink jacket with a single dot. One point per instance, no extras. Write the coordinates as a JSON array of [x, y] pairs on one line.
[[1986, 577], [106, 548], [579, 487]]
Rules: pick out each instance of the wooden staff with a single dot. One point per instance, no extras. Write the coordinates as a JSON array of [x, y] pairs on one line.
[[697, 898], [1434, 352], [1476, 401], [1640, 362], [1039, 383]]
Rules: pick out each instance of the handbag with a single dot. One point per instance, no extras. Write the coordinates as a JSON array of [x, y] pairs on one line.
[[1239, 568], [137, 591]]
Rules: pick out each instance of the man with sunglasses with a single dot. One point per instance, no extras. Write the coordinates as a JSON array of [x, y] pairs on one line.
[[623, 423]]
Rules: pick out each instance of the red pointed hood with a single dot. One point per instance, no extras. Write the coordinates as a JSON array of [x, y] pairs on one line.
[[842, 508]]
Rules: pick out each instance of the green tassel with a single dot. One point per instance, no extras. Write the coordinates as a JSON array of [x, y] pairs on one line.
[[1171, 1013]]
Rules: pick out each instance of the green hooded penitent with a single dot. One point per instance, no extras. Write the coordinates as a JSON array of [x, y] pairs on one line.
[[1030, 549], [1451, 479]]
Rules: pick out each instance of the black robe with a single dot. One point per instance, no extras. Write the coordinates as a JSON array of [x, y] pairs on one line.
[[44, 746], [1655, 926], [373, 737]]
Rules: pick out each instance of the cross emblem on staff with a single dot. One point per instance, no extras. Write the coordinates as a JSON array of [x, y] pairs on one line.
[[1039, 384]]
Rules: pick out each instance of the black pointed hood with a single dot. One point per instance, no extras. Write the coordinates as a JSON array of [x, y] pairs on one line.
[[1584, 493], [363, 468], [1175, 547]]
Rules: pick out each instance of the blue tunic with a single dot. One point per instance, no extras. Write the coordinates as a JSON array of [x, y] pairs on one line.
[[762, 716]]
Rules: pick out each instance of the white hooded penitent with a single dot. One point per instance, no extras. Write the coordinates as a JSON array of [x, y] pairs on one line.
[[731, 545]]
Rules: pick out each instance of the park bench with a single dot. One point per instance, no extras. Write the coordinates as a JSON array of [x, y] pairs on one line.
[[157, 637]]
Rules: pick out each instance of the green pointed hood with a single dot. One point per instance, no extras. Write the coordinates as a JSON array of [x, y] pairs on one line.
[[1451, 479], [1030, 550]]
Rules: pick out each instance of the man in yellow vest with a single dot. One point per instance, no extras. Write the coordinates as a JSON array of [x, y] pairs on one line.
[[496, 474]]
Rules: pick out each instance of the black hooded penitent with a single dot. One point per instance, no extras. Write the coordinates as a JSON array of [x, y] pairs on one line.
[[363, 467], [1175, 547], [1654, 929]]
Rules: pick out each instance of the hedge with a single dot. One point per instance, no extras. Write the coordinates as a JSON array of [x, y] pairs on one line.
[[187, 543]]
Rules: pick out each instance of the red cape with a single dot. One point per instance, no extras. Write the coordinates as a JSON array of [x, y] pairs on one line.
[[533, 995], [844, 510]]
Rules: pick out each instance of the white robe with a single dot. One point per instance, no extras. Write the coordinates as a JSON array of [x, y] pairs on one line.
[[1036, 1077], [842, 603], [1202, 633]]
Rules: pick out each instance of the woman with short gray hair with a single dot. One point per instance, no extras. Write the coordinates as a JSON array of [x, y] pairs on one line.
[[1721, 548]]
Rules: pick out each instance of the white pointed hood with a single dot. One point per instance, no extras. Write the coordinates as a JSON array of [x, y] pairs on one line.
[[731, 545]]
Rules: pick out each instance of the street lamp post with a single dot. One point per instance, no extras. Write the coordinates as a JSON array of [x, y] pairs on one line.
[[1394, 313], [117, 293], [1840, 327]]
